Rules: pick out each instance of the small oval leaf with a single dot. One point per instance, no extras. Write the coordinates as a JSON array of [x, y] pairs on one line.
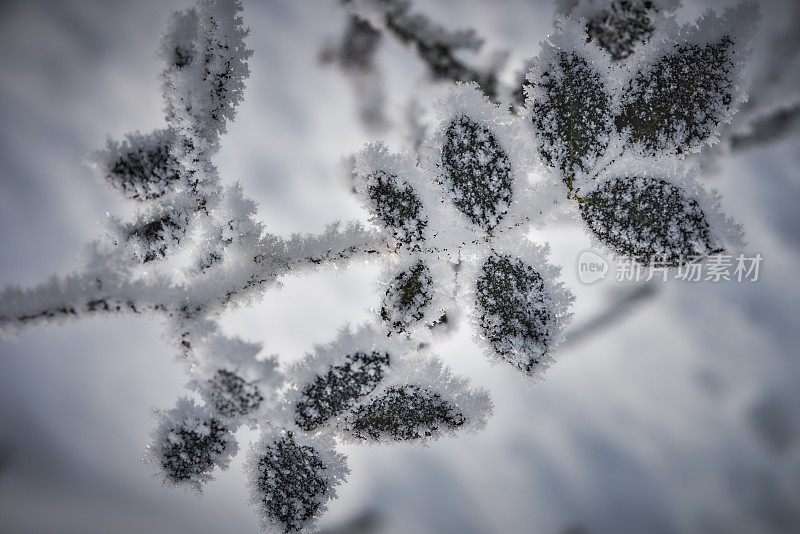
[[398, 207], [291, 483], [141, 167], [571, 112], [648, 219], [679, 102], [403, 413], [406, 298], [477, 172], [231, 395], [188, 444], [514, 310]]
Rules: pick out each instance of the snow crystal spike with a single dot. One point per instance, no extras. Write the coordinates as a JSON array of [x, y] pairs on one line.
[[648, 219], [477, 172]]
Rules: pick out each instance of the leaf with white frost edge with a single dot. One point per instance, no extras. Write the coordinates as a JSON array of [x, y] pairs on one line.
[[332, 378], [291, 476], [569, 108], [141, 167], [415, 291], [487, 186], [389, 187], [418, 400], [657, 212], [686, 82], [517, 307], [188, 444]]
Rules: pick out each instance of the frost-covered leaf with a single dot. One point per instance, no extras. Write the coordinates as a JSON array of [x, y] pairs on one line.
[[398, 206], [178, 43], [512, 296], [520, 311], [570, 110], [291, 479], [333, 393], [207, 66], [619, 26], [382, 180], [188, 443], [418, 399], [404, 413], [231, 395], [688, 83], [140, 167], [409, 293], [679, 102], [649, 219], [477, 171], [153, 239]]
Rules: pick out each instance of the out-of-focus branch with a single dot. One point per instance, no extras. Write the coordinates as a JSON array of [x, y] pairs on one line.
[[434, 45], [621, 306]]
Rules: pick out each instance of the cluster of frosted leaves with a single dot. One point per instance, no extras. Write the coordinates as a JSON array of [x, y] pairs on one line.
[[365, 386], [170, 169], [361, 387], [468, 192], [330, 395], [619, 26], [598, 123], [291, 476], [192, 440]]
